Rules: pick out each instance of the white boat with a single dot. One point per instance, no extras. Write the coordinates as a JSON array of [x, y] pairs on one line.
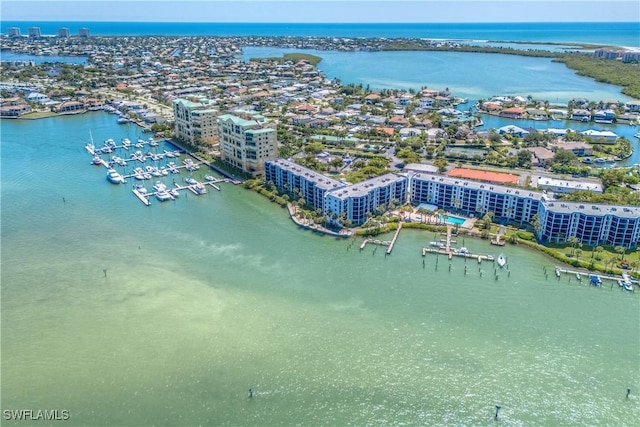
[[637, 135], [578, 276], [190, 180], [174, 192], [140, 188], [438, 245], [114, 177], [96, 160], [159, 186], [502, 260], [557, 272], [163, 196], [626, 283], [209, 178], [200, 188], [123, 120]]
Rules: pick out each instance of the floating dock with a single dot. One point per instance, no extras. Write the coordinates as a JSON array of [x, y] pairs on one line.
[[143, 198]]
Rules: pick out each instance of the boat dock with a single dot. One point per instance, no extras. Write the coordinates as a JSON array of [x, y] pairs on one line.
[[450, 252], [375, 242], [144, 199], [498, 240], [395, 237], [579, 275]]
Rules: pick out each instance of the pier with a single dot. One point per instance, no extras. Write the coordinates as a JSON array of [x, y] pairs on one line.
[[395, 237], [450, 252], [144, 199], [559, 271], [375, 242]]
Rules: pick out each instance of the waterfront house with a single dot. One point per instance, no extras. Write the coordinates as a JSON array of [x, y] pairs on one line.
[[69, 107], [579, 148], [14, 107], [600, 136], [513, 113], [632, 106], [604, 116], [513, 130], [581, 115]]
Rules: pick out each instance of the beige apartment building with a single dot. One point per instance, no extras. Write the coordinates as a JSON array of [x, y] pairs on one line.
[[247, 140], [196, 120]]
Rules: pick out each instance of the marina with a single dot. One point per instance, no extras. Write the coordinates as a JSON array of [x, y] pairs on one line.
[[161, 191]]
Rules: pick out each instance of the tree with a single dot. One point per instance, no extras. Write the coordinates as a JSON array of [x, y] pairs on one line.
[[564, 157], [536, 224], [314, 148], [441, 164], [621, 250], [573, 241], [336, 162], [524, 159], [487, 219]]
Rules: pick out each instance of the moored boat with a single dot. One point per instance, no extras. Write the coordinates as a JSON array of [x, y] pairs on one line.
[[501, 260], [114, 177], [595, 280]]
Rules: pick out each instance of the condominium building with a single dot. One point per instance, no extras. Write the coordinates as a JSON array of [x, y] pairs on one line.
[[246, 140], [297, 180], [64, 32], [372, 196], [475, 198], [34, 32], [14, 32], [592, 224], [196, 120], [83, 32], [337, 199]]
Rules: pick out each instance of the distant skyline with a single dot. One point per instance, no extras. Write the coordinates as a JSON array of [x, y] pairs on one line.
[[323, 11]]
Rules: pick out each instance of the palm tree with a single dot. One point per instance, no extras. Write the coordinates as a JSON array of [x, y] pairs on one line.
[[536, 224], [621, 250], [573, 241]]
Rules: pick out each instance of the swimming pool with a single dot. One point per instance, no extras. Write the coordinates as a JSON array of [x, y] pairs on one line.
[[454, 220]]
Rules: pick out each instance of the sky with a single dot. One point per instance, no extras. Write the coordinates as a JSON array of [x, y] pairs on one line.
[[322, 11]]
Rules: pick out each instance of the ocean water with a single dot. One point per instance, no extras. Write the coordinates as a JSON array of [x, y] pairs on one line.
[[208, 296], [608, 33]]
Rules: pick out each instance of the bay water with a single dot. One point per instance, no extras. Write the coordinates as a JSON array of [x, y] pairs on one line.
[[124, 314]]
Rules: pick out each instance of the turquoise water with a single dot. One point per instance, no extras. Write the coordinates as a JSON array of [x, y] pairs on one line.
[[538, 77], [608, 33], [454, 220], [206, 297]]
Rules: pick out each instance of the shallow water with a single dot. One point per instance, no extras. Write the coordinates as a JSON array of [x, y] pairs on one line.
[[208, 296]]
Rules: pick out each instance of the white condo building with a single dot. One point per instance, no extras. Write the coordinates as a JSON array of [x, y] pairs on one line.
[[353, 202], [196, 120], [247, 140]]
